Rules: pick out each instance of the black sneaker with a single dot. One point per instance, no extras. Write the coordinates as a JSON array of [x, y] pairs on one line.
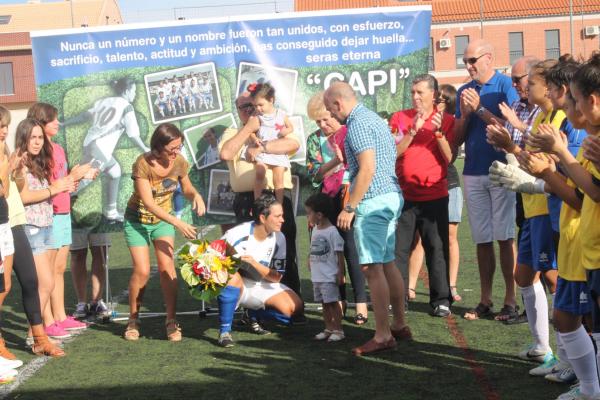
[[252, 324], [441, 311], [225, 340]]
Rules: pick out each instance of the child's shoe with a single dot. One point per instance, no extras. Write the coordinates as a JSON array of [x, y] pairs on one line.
[[323, 335], [336, 336]]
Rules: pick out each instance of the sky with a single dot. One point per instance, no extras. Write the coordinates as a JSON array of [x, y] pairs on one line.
[[160, 10]]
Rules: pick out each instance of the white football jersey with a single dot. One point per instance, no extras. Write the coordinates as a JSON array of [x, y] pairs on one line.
[[112, 116]]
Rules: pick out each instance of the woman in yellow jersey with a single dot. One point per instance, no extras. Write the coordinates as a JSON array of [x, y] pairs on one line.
[[571, 299], [536, 254]]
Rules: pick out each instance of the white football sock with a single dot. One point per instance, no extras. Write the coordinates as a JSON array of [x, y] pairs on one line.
[[536, 306], [580, 350], [560, 349]]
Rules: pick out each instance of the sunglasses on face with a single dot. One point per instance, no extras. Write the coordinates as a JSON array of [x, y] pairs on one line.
[[472, 60], [517, 79], [246, 107]]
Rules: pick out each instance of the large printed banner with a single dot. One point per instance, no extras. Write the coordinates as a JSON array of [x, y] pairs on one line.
[[189, 73]]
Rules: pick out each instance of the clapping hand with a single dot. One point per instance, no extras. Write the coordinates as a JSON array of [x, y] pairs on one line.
[[510, 115], [548, 139], [591, 149], [535, 163], [469, 100], [498, 136], [437, 120]]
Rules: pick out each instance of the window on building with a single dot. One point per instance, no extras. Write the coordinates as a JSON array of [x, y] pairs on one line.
[[552, 43], [460, 45], [431, 62], [5, 19], [6, 79], [515, 46]]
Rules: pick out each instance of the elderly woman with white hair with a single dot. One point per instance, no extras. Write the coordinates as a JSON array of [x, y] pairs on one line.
[[327, 169]]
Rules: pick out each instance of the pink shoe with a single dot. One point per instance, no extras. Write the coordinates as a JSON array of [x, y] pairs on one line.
[[71, 324], [56, 332]]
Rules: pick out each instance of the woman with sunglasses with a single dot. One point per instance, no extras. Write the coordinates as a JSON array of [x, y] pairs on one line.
[[148, 219]]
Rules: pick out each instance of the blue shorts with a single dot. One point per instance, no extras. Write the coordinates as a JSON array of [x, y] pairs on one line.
[[536, 246], [40, 239], [61, 230], [593, 283], [572, 297], [455, 205], [375, 228]]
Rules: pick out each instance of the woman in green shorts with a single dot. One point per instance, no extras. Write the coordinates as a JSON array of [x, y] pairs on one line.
[[148, 219]]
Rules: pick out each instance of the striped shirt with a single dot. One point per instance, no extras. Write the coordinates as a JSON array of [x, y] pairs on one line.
[[367, 130], [527, 115]]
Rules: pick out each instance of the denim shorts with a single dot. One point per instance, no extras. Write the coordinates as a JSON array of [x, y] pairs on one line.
[[61, 230], [455, 205], [375, 228], [40, 238]]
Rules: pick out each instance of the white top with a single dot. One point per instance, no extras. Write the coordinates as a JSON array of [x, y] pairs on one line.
[[270, 126], [270, 252], [324, 244]]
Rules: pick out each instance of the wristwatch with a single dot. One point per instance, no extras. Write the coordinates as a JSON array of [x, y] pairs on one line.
[[439, 134], [412, 132], [349, 208], [480, 110]]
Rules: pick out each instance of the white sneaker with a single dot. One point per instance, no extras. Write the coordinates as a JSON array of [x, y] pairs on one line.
[[546, 367], [336, 336], [10, 364], [566, 375], [575, 394], [323, 335], [113, 215], [7, 376], [530, 354]]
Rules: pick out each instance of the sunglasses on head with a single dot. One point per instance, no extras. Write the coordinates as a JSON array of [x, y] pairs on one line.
[[472, 60], [517, 79]]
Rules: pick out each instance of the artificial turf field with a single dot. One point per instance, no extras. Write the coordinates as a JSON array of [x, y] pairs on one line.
[[449, 359]]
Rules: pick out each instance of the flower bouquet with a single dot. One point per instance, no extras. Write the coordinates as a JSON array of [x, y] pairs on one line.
[[205, 267]]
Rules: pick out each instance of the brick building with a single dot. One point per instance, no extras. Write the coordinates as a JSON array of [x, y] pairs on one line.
[[541, 28], [17, 83]]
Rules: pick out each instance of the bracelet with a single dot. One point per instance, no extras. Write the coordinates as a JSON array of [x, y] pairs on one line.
[[439, 134], [412, 133], [49, 191]]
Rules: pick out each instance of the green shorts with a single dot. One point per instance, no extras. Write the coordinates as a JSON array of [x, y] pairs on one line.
[[138, 234]]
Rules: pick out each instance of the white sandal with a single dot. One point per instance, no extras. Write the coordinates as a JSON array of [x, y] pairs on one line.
[[336, 336], [323, 335]]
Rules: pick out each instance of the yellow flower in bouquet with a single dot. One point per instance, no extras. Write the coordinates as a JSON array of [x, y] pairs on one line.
[[205, 267]]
